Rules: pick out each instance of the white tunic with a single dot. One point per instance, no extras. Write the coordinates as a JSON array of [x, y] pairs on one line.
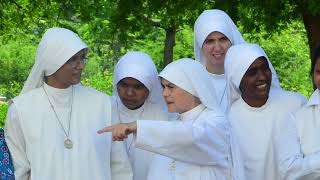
[[197, 147], [220, 85], [299, 145], [253, 130], [36, 139], [140, 159]]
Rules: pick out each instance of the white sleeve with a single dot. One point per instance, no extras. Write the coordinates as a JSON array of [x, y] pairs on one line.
[[204, 142], [16, 144], [292, 163]]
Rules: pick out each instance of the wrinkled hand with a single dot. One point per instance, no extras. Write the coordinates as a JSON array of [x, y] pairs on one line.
[[120, 131]]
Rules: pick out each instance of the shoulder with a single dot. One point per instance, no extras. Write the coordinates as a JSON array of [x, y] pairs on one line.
[[286, 97], [28, 97], [213, 114]]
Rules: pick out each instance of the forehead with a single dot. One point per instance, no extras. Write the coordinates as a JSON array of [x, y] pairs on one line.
[[164, 81], [215, 35], [259, 63], [130, 81]]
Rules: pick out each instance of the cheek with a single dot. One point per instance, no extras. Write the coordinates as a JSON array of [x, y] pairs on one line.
[[316, 79], [142, 94], [120, 91], [206, 50], [226, 46]]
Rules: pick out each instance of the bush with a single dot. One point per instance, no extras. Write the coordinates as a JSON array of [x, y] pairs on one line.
[[3, 113]]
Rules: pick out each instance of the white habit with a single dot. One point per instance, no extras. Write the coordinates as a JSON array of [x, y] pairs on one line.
[[252, 128], [140, 66], [196, 146], [35, 136], [298, 141]]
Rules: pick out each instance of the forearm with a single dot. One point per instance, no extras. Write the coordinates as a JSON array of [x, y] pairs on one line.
[[186, 142]]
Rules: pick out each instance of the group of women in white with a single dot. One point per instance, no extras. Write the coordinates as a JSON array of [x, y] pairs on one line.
[[223, 116]]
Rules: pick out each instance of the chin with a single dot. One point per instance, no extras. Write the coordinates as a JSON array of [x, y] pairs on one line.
[[75, 81], [171, 109]]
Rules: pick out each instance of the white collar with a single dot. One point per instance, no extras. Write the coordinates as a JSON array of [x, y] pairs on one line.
[[219, 76], [59, 97], [255, 109], [314, 99], [192, 114]]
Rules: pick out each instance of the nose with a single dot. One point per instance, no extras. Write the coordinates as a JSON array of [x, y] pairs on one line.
[[261, 75], [216, 45], [130, 92], [80, 65], [165, 92]]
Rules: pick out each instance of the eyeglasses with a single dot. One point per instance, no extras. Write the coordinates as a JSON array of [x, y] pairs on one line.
[[74, 61]]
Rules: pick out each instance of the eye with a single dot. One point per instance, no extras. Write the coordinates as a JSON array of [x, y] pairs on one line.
[[122, 84], [223, 39], [139, 86], [251, 72], [208, 41]]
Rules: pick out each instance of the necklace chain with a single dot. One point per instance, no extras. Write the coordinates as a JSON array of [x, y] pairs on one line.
[[68, 143]]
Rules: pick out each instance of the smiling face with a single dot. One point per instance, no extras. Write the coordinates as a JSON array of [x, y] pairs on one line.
[[132, 92], [177, 99], [70, 73], [214, 49], [256, 82]]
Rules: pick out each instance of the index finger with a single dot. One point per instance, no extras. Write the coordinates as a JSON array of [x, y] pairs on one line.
[[105, 129]]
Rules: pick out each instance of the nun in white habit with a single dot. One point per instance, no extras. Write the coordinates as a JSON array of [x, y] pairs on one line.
[[196, 146], [51, 126], [139, 67], [214, 34], [298, 136], [256, 104]]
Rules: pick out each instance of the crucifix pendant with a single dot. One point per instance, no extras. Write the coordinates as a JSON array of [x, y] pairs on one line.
[[68, 143]]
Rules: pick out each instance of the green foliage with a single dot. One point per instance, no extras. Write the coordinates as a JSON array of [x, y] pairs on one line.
[[99, 81], [11, 90], [16, 59], [3, 113]]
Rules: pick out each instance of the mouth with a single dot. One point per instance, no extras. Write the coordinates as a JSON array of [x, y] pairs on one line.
[[218, 55], [262, 86], [168, 103], [126, 101]]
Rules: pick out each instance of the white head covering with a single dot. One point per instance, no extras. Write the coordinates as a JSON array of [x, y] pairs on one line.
[[140, 66], [192, 77], [210, 21], [57, 46], [238, 60]]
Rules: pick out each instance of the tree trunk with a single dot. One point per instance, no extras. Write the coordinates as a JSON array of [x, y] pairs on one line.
[[169, 44], [312, 25]]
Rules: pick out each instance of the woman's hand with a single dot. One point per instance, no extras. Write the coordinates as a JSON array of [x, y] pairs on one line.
[[120, 131]]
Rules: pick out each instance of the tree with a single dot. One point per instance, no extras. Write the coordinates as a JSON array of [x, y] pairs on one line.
[[274, 15], [134, 18]]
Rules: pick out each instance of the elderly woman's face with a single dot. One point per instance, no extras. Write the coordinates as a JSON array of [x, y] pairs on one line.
[[256, 82], [70, 72], [215, 48], [177, 99]]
